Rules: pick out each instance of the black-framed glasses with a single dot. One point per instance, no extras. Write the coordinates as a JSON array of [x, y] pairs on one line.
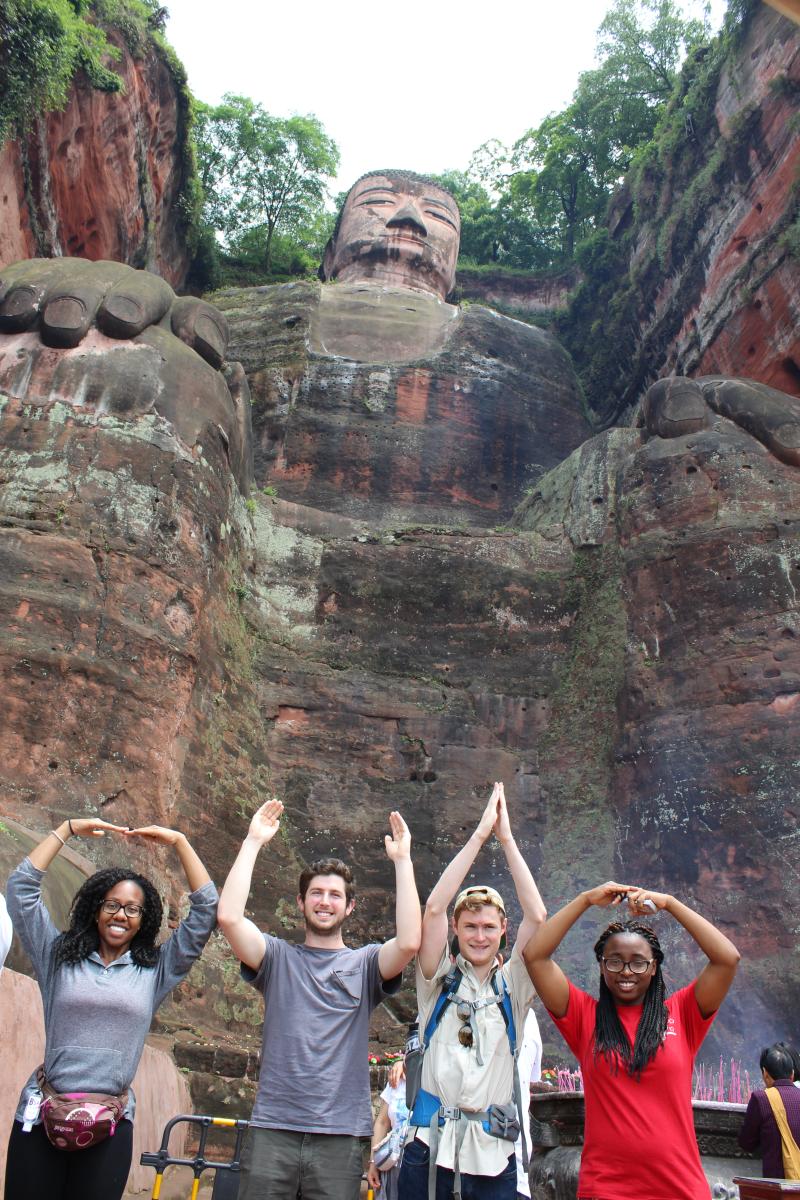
[[617, 965], [131, 910], [464, 1014]]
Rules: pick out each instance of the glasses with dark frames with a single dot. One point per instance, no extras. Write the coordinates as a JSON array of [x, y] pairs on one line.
[[637, 966], [131, 910]]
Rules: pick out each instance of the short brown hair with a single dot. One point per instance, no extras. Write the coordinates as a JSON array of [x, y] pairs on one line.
[[476, 898], [328, 866]]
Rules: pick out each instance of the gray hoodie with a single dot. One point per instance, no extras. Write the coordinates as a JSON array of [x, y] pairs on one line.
[[96, 1017]]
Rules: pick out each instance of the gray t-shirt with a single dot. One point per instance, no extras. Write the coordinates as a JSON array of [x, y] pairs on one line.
[[314, 1057]]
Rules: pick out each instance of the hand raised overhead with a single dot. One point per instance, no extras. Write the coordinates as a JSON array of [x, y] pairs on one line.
[[266, 821], [398, 842], [155, 833], [608, 895], [502, 825], [93, 827], [490, 813]]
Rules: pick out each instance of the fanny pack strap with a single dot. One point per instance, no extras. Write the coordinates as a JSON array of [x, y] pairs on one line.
[[117, 1104]]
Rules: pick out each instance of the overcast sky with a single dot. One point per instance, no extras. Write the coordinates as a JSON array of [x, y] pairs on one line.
[[408, 85]]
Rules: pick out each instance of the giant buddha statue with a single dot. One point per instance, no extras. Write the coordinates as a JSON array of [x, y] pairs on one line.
[[621, 649], [372, 393]]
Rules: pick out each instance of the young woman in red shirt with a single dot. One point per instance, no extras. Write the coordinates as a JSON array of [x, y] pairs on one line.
[[636, 1045]]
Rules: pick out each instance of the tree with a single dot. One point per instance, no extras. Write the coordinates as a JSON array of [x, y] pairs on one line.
[[262, 175], [558, 177], [642, 44], [479, 220]]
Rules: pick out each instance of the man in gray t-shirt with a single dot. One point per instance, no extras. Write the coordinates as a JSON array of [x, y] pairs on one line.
[[312, 1110]]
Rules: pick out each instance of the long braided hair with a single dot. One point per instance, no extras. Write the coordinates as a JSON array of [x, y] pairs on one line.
[[78, 942], [610, 1039]]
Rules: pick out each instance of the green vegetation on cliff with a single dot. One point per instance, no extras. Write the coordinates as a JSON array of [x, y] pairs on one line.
[[658, 212], [43, 44], [46, 44]]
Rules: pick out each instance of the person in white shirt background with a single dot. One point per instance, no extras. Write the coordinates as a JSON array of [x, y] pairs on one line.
[[529, 1065]]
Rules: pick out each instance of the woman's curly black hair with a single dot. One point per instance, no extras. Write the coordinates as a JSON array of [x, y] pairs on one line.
[[78, 942], [610, 1039]]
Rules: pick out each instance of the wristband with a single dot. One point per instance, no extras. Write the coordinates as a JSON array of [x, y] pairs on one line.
[[71, 830], [58, 835]]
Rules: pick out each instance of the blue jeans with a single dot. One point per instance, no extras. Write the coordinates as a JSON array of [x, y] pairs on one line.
[[414, 1179]]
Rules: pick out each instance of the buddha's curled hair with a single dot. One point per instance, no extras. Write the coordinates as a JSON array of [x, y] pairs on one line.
[[81, 938], [610, 1038]]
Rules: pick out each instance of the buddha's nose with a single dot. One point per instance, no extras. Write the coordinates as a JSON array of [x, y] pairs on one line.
[[409, 214]]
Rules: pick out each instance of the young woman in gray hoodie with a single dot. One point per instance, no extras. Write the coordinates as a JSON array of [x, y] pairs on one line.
[[101, 982]]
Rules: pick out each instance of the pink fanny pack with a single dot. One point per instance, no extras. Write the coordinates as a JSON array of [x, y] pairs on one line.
[[78, 1120]]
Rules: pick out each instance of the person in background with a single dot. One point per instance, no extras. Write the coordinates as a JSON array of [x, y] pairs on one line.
[[772, 1118], [529, 1065], [6, 931], [391, 1119], [795, 1057], [101, 982], [636, 1045]]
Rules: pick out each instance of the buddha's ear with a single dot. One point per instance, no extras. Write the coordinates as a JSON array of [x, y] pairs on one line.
[[326, 266]]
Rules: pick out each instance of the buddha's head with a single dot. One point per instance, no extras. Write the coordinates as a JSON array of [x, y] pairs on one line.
[[396, 228]]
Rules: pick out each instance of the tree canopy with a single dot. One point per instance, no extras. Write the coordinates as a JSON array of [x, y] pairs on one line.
[[264, 177], [536, 200]]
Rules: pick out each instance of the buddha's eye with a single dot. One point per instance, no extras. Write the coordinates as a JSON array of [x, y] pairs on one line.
[[438, 216]]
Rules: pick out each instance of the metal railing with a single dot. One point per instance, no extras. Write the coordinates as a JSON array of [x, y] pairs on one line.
[[226, 1180]]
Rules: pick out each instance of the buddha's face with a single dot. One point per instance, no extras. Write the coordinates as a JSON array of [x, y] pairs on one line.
[[396, 231]]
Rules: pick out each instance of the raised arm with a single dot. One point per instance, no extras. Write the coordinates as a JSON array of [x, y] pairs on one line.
[[395, 954], [533, 909], [549, 980], [434, 920], [26, 908], [193, 869], [712, 984], [42, 855], [244, 937]]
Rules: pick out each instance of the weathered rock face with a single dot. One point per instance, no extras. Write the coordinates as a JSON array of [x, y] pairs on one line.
[[620, 655], [622, 658], [531, 293], [701, 530], [746, 315], [707, 277], [426, 413], [105, 178]]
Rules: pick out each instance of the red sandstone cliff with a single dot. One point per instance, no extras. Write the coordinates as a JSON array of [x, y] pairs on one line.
[[746, 318], [700, 275], [105, 178]]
